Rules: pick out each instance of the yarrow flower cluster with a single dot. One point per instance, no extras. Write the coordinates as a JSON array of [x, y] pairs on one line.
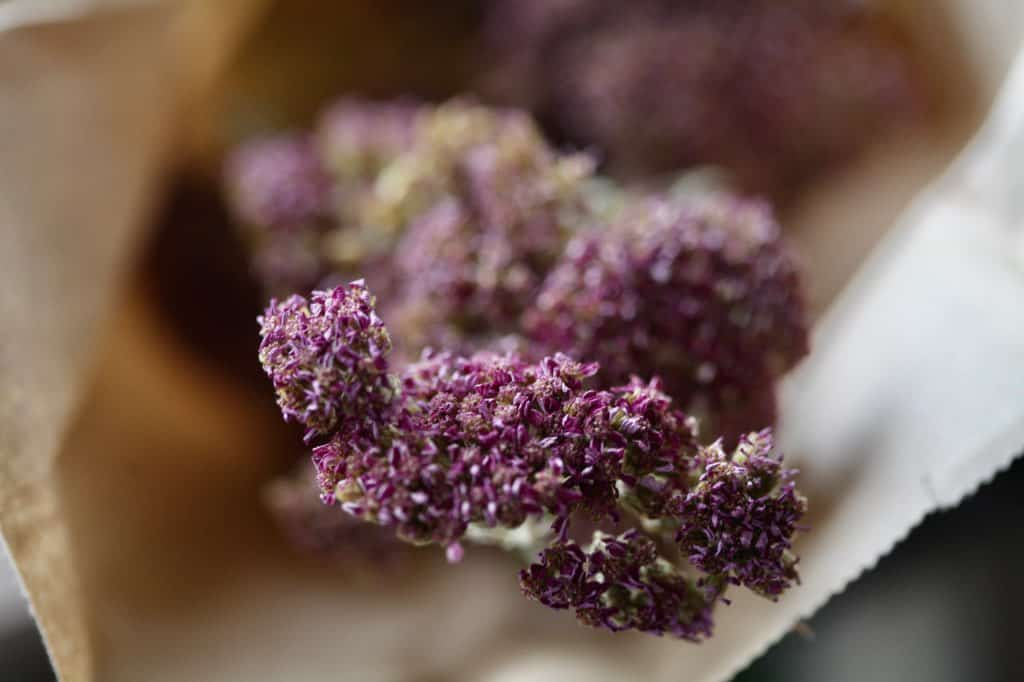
[[451, 445], [485, 439], [472, 202], [557, 340], [739, 518], [477, 255], [461, 216], [621, 583], [772, 91], [327, 357], [697, 290]]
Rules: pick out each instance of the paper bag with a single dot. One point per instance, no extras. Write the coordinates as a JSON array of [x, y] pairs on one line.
[[129, 494]]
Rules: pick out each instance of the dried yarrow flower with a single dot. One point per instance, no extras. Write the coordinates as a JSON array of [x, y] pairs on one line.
[[472, 200], [738, 520], [484, 440], [451, 441], [456, 448], [475, 259], [621, 583], [698, 290], [304, 199], [773, 91], [424, 174], [504, 244], [326, 357], [481, 207]]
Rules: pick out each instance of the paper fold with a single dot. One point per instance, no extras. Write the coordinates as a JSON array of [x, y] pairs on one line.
[[88, 91]]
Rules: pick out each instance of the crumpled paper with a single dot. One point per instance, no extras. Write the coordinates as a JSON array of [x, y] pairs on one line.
[[127, 490]]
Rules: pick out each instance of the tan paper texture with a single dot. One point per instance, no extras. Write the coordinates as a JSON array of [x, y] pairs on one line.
[[88, 91], [78, 154], [127, 495]]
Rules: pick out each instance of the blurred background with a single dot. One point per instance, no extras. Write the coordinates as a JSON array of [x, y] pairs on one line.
[[793, 101]]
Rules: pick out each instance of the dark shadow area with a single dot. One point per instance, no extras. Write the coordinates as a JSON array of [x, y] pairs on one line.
[[944, 606], [23, 658], [197, 271]]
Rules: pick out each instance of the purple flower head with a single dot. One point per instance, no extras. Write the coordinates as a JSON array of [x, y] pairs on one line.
[[426, 173], [699, 291], [621, 583], [487, 213], [489, 439], [492, 446], [486, 440], [468, 205], [659, 459], [277, 183], [739, 519], [327, 357]]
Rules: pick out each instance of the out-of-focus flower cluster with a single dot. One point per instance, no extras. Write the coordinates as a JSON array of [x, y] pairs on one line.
[[556, 340], [474, 200], [474, 230], [493, 440], [698, 291], [772, 91], [485, 219]]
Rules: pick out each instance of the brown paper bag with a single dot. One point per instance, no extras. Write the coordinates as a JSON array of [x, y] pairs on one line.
[[89, 92], [128, 492]]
